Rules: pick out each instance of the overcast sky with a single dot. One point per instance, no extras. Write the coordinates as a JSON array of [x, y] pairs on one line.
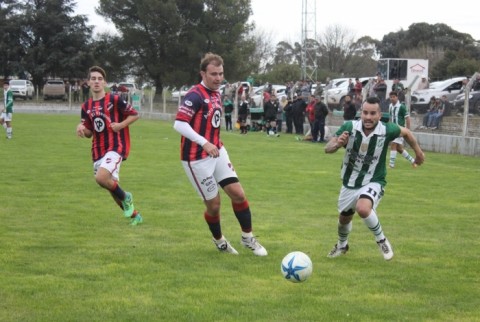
[[283, 18]]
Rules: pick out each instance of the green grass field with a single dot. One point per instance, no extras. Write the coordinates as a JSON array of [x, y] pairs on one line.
[[67, 253]]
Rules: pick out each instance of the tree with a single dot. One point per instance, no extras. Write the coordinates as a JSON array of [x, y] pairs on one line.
[[55, 43], [10, 46], [166, 39]]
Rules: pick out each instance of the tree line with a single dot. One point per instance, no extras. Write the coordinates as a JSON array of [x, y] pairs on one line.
[[163, 41]]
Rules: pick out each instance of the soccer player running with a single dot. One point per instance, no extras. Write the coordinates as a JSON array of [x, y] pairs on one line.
[[363, 172], [205, 159], [399, 115], [106, 118]]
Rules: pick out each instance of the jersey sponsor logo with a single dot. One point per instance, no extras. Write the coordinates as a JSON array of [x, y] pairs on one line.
[[99, 124], [216, 118], [188, 103], [206, 101]]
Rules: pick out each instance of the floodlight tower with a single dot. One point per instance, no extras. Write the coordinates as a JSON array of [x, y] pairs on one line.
[[309, 32]]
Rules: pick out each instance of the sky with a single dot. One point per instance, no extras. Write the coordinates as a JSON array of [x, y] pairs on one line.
[[282, 19]]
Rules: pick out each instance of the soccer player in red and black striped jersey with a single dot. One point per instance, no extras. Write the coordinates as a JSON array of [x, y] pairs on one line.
[[106, 118], [206, 160]]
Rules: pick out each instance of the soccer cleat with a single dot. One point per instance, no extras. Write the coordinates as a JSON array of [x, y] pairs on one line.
[[254, 245], [385, 249], [391, 166], [136, 220], [335, 252], [224, 246], [127, 205]]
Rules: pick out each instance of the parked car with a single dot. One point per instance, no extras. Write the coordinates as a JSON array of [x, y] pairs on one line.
[[132, 88], [54, 88], [450, 87], [180, 92], [257, 97], [22, 88], [473, 102], [336, 95]]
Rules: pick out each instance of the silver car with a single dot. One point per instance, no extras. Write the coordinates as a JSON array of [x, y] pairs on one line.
[[22, 88]]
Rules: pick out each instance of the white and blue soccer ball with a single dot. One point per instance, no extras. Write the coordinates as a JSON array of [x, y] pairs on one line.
[[296, 267]]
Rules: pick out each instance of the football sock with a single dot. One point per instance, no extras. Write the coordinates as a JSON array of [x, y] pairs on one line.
[[373, 224], [135, 213], [343, 232], [407, 156], [9, 132], [118, 192], [243, 214], [393, 156], [214, 225]]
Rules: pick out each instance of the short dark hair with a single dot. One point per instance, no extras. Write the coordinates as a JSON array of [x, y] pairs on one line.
[[373, 100], [210, 58], [393, 93], [97, 69]]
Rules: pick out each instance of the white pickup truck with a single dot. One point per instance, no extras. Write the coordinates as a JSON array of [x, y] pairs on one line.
[[132, 88]]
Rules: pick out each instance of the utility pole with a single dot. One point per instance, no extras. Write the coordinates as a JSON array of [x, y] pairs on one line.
[[309, 32]]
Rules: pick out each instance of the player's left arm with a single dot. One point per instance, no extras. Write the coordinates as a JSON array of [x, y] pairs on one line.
[[126, 122], [410, 138]]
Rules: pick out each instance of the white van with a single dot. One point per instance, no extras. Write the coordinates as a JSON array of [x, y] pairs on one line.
[[22, 88]]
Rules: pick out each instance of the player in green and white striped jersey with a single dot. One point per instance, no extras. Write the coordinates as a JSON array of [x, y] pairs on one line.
[[399, 115], [363, 171]]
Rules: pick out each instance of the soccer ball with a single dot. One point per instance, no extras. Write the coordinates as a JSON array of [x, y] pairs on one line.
[[296, 267]]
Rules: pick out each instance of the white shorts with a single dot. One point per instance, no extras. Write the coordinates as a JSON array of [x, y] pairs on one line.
[[348, 197], [205, 174], [7, 117], [399, 140], [111, 162]]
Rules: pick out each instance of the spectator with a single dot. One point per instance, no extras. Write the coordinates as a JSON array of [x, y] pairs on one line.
[[85, 91], [310, 112], [436, 116], [381, 91], [351, 88], [227, 110], [280, 113], [243, 114], [288, 109], [358, 87], [321, 112], [299, 106], [423, 84], [432, 109], [270, 113], [349, 110], [398, 87]]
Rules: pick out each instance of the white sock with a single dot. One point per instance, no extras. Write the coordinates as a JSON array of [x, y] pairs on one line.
[[9, 131], [343, 232], [247, 235], [393, 156], [407, 156], [373, 224]]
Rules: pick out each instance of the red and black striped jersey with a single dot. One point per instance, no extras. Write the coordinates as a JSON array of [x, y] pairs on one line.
[[97, 117], [202, 109]]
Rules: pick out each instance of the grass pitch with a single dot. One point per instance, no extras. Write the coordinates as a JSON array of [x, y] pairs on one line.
[[67, 253]]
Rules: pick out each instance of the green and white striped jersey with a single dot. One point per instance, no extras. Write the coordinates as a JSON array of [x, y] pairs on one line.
[[398, 113], [365, 156]]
